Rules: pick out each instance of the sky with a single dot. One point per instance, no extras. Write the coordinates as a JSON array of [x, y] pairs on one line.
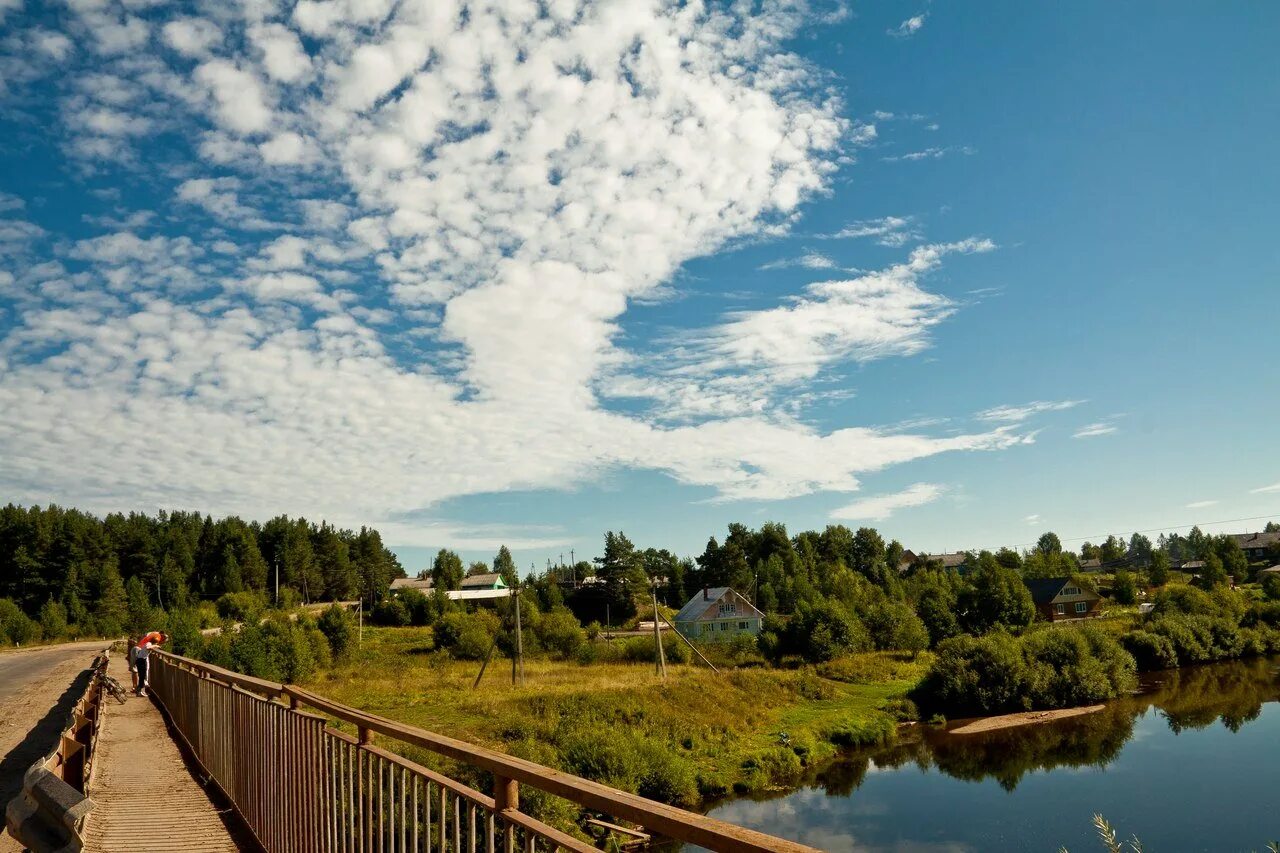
[[523, 272]]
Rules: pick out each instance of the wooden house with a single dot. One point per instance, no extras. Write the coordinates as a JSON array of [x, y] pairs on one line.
[[1061, 599], [718, 613]]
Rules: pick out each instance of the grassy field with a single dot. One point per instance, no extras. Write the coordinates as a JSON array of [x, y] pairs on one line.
[[694, 736]]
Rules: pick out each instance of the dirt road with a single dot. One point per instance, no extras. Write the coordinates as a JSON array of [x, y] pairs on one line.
[[38, 687]]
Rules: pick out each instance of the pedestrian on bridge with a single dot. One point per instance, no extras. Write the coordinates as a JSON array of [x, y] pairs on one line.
[[141, 654]]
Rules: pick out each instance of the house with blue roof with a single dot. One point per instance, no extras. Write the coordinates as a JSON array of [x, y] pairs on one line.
[[718, 613]]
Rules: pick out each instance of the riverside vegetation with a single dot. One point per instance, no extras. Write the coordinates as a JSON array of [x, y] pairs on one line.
[[853, 641]]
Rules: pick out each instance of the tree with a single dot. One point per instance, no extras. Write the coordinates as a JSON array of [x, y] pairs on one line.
[[996, 597], [1234, 562], [622, 571], [1212, 574], [1140, 549], [446, 570], [1272, 527], [1271, 587], [1158, 573], [333, 559], [478, 567], [1049, 543], [1124, 589], [53, 619], [505, 565], [1112, 550]]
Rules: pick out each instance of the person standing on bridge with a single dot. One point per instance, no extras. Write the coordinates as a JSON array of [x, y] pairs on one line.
[[143, 652]]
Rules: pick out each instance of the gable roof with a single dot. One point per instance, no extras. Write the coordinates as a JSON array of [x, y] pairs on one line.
[[1256, 540], [485, 581], [1044, 590], [703, 599], [949, 561], [412, 583]]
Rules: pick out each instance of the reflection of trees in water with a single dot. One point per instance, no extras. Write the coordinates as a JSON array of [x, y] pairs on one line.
[[1190, 698], [1196, 697]]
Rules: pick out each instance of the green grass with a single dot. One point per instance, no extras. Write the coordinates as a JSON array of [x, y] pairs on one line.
[[742, 730]]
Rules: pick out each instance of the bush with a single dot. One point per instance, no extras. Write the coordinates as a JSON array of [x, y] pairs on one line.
[[338, 626], [559, 632], [631, 762], [467, 636], [422, 610], [242, 606], [1150, 651], [53, 619], [391, 611], [1271, 587], [1125, 589], [15, 626], [643, 650], [825, 631]]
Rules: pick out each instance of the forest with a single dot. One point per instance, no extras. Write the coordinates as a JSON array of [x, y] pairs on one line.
[[825, 594]]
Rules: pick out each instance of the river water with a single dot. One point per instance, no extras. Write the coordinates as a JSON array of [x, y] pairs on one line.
[[1192, 763]]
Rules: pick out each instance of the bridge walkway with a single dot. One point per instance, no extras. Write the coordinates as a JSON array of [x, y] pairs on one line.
[[145, 796]]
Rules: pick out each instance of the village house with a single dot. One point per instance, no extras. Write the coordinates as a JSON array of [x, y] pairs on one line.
[[718, 613], [1061, 599], [952, 560], [1256, 545], [422, 585], [490, 580]]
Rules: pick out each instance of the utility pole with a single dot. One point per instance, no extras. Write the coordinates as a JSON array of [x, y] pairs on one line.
[[517, 662], [277, 561], [660, 658]]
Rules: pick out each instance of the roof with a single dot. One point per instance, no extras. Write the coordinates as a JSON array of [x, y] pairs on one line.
[[1193, 564], [1274, 570], [703, 599], [485, 581], [412, 583], [1256, 540], [949, 561], [1044, 590], [1094, 563]]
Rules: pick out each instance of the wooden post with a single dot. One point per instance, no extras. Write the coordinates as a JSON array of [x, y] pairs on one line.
[[517, 662], [485, 665], [506, 795], [660, 657]]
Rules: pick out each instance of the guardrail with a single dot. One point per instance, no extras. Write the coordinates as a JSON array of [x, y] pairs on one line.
[[301, 784], [50, 812]]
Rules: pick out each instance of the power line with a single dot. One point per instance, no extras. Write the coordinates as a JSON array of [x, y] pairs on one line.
[[1157, 529]]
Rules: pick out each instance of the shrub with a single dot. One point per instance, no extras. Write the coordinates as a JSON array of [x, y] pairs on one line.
[[467, 636], [1150, 651], [338, 626], [560, 633], [183, 628], [742, 647], [53, 619], [241, 606], [825, 631], [16, 626], [422, 610], [903, 710], [1125, 588], [643, 650], [1271, 587], [391, 611]]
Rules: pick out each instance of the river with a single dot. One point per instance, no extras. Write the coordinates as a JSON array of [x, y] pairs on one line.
[[1191, 763]]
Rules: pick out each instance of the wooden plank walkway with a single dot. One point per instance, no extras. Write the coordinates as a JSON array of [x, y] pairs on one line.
[[144, 795]]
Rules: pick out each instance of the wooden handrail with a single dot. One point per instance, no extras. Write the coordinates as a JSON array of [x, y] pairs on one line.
[[658, 817]]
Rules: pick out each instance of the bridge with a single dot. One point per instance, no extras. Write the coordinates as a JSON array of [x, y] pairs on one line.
[[221, 761]]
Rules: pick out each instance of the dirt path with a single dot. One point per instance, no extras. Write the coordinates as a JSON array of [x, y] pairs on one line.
[[1008, 721], [38, 688], [144, 796]]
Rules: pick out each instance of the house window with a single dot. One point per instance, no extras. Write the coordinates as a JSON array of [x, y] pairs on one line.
[[728, 609], [1062, 610], [1071, 590], [742, 626], [1081, 607]]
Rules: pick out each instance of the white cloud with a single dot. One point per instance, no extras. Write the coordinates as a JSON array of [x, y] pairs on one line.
[[54, 45], [892, 231], [1033, 519], [809, 261], [1263, 490], [482, 178], [1201, 504], [1095, 429], [241, 105], [191, 37], [880, 507], [1020, 413], [909, 27], [931, 153], [10, 202]]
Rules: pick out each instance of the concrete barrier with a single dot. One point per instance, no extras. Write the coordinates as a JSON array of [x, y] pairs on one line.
[[50, 812]]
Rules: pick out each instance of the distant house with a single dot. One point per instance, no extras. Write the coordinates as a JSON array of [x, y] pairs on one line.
[[1061, 599], [1192, 566], [1274, 570], [947, 561], [718, 613], [1092, 565], [1256, 545], [423, 585], [491, 580], [907, 560]]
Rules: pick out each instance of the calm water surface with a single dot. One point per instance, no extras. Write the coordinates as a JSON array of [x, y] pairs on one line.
[[1191, 764]]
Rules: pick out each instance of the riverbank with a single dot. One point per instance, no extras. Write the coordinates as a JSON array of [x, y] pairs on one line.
[[1022, 718], [697, 735]]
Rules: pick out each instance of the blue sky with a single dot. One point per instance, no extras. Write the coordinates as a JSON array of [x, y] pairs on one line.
[[962, 274]]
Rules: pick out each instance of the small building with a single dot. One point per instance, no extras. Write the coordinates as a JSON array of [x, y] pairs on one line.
[[422, 585], [1274, 570], [718, 613], [1061, 599], [1256, 545], [491, 580]]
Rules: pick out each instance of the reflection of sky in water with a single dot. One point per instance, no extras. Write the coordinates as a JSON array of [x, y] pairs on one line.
[[1203, 788]]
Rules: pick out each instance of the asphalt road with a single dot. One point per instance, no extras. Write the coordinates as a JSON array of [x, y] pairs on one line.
[[23, 667]]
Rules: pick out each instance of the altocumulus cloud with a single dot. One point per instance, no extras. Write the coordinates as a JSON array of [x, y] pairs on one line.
[[383, 208], [880, 507]]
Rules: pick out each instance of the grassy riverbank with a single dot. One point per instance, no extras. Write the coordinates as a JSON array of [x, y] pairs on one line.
[[696, 735]]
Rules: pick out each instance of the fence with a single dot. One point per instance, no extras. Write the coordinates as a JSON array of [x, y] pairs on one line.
[[50, 811], [302, 785]]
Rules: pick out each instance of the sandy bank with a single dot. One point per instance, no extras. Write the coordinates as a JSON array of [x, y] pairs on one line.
[[1007, 721]]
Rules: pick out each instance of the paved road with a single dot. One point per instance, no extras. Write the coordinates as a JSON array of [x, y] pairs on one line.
[[38, 688], [20, 668]]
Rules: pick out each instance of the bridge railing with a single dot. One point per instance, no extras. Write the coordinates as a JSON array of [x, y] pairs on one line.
[[302, 785]]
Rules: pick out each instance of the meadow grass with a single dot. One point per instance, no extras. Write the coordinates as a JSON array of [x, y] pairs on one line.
[[697, 735]]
